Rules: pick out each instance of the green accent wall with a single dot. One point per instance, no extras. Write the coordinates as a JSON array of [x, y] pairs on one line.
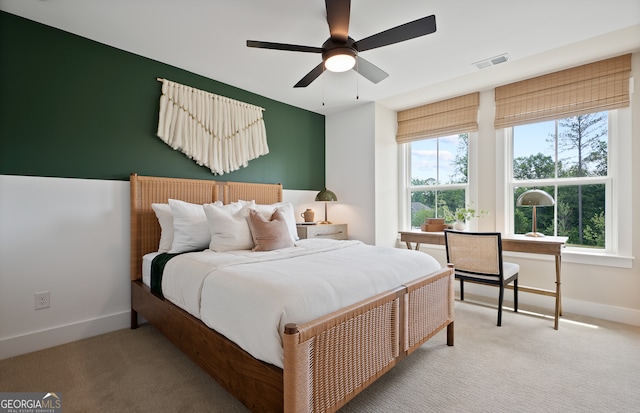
[[72, 107]]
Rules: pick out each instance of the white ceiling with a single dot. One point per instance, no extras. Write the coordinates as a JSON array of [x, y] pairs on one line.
[[208, 37]]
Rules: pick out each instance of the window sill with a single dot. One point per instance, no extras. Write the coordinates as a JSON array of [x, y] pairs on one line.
[[591, 258], [569, 255], [579, 257]]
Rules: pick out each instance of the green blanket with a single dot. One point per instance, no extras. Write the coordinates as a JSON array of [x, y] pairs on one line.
[[157, 269]]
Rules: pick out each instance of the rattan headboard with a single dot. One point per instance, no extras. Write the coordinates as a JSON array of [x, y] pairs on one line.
[[145, 190]]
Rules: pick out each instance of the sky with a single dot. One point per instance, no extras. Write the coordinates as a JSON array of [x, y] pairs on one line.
[[528, 140], [424, 158]]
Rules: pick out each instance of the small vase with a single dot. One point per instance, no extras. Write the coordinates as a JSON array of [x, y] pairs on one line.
[[308, 215], [459, 225]]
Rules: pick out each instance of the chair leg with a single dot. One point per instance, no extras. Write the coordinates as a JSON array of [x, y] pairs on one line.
[[461, 289], [500, 299], [515, 295]]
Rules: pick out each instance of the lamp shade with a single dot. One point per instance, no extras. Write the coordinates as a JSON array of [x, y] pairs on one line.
[[326, 195], [535, 197]]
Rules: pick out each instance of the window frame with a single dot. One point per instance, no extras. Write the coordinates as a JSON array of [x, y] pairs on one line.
[[617, 201], [406, 188]]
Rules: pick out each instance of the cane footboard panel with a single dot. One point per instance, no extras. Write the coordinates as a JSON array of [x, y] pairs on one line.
[[330, 360]]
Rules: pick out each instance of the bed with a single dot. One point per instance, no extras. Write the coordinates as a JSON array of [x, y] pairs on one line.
[[327, 360]]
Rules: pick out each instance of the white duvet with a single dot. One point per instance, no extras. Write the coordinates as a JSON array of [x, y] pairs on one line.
[[250, 296]]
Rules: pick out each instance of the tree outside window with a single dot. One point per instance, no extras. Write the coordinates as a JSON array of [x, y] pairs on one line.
[[438, 176], [567, 158]]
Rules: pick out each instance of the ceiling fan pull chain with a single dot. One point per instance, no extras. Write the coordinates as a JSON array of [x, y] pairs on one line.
[[357, 83], [322, 88]]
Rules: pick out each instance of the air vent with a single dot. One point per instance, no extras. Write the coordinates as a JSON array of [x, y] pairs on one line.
[[496, 60]]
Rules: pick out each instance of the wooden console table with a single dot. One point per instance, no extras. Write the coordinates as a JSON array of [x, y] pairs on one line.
[[516, 243]]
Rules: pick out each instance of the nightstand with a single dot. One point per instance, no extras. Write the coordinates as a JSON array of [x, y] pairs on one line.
[[327, 231]]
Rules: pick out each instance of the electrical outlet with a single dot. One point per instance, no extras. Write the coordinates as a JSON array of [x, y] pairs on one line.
[[42, 300]]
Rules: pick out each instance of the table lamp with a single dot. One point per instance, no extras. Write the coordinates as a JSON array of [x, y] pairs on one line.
[[534, 198], [326, 196]]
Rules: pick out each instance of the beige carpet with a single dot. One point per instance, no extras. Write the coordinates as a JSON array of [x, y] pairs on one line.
[[524, 366]]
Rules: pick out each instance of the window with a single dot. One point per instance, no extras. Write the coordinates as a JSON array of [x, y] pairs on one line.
[[437, 170], [569, 159], [434, 157], [586, 166]]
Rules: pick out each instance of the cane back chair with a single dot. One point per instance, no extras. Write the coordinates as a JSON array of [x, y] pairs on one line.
[[477, 257]]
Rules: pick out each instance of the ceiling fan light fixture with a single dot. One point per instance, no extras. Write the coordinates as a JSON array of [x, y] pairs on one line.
[[340, 59]]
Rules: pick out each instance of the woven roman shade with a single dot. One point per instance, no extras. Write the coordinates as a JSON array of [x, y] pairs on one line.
[[447, 117], [598, 86]]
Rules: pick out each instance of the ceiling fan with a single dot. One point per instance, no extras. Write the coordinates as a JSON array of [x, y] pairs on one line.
[[341, 53]]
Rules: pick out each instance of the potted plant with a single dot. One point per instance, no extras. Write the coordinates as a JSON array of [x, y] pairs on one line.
[[461, 215]]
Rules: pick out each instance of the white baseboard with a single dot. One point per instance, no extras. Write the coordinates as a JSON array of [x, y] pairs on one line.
[[605, 312], [39, 340], [569, 306]]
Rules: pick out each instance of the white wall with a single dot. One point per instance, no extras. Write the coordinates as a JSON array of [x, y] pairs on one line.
[[350, 170], [386, 177], [362, 166], [69, 237], [302, 200]]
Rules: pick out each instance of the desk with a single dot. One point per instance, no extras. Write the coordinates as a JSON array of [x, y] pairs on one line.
[[516, 243]]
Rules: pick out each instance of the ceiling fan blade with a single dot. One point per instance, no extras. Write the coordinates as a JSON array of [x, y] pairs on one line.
[[407, 31], [369, 70], [338, 12], [311, 76], [283, 46]]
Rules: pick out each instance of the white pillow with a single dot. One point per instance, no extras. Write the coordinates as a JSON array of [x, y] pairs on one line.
[[286, 209], [190, 227], [165, 219], [235, 206], [228, 227]]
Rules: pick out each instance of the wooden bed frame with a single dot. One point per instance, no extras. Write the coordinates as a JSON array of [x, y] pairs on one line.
[[328, 361]]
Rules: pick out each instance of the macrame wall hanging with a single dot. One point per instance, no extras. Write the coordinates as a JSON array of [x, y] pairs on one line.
[[220, 133]]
